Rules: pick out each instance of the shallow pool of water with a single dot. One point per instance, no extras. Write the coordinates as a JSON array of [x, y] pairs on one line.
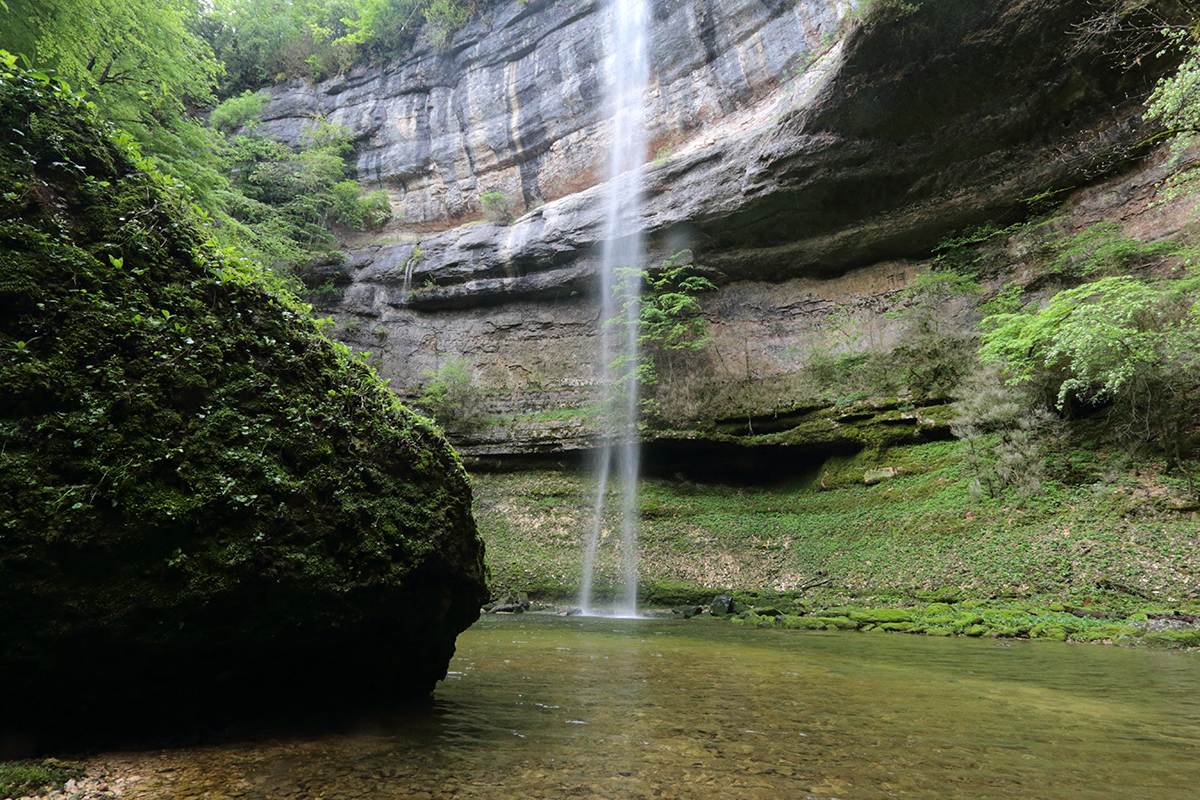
[[546, 707]]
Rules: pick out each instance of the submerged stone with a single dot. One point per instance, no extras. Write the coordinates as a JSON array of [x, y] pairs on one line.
[[207, 510]]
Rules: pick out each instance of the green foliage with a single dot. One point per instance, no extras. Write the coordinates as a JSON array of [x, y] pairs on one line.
[[837, 369], [350, 208], [496, 207], [933, 355], [447, 16], [668, 318], [146, 69], [1175, 102], [1009, 300], [135, 57], [452, 397], [140, 62], [240, 111], [267, 41], [1104, 249], [671, 317], [21, 780], [282, 207], [926, 296], [1121, 341], [960, 251], [1006, 437]]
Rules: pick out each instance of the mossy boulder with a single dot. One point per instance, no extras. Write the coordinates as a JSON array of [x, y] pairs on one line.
[[1112, 632], [900, 627], [1057, 633], [1172, 639], [881, 615], [206, 508]]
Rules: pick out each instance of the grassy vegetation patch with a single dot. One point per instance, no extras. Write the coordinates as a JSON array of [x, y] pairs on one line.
[[1118, 543], [20, 779]]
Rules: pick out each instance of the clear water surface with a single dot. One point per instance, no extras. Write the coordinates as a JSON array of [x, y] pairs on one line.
[[548, 707]]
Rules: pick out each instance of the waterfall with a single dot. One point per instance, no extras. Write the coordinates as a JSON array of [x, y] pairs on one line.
[[409, 264], [628, 77]]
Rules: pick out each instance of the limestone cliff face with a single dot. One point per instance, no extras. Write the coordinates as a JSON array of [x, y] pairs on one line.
[[515, 102], [809, 160]]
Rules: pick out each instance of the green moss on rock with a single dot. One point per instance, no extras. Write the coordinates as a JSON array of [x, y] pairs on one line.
[[205, 506], [1107, 632], [1173, 639], [881, 615]]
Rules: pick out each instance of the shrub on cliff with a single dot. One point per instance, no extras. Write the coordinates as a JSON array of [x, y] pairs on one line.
[[1120, 342], [205, 507]]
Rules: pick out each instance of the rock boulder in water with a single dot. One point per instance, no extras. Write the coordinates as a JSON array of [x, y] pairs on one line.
[[207, 510]]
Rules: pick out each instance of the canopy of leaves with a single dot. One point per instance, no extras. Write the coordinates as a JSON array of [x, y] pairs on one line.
[[1122, 341], [139, 61], [267, 41], [663, 301]]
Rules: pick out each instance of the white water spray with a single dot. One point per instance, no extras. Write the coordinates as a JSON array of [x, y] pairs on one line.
[[628, 77], [406, 289]]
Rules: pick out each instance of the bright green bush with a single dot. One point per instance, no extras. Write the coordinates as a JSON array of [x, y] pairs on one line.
[[452, 397], [1122, 341], [20, 779], [496, 207], [241, 111]]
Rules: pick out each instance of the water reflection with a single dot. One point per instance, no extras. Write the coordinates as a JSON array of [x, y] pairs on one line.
[[606, 708]]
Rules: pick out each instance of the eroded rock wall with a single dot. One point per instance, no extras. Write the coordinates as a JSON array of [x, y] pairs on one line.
[[841, 155], [515, 101]]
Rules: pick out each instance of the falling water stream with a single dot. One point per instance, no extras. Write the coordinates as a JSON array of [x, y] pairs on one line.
[[628, 77]]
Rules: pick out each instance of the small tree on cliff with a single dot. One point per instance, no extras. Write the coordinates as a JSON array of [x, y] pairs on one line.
[[1123, 343], [669, 319]]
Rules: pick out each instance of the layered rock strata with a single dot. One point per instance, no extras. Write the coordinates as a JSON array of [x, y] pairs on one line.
[[837, 155]]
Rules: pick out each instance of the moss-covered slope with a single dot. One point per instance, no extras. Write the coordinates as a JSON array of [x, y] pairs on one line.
[[205, 507]]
